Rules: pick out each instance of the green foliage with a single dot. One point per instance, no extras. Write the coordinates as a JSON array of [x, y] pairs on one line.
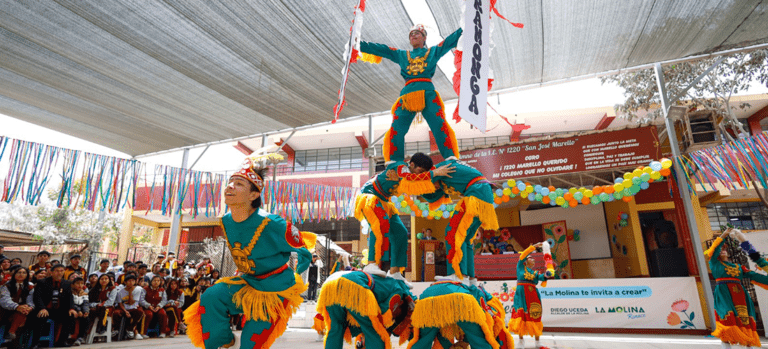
[[713, 92]]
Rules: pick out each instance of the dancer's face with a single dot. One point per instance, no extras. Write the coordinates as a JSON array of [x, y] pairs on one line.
[[417, 39], [415, 169], [239, 192], [724, 255]]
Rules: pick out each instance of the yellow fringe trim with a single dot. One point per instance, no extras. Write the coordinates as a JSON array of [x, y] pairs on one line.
[[450, 135], [419, 187], [433, 206], [353, 297], [367, 57], [736, 335], [474, 208], [459, 237], [527, 251], [194, 328], [446, 310], [413, 101], [525, 328], [708, 253], [310, 240], [267, 306], [364, 210]]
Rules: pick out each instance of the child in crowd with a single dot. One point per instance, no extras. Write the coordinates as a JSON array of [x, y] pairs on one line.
[[16, 300], [128, 306], [82, 307], [153, 302], [175, 297], [102, 300]]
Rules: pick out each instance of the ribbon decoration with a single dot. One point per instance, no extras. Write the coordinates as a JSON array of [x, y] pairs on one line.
[[298, 202], [351, 52], [733, 165]]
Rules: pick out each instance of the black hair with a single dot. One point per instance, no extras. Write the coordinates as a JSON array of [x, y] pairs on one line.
[[44, 252], [104, 261], [127, 262], [78, 279], [130, 264], [17, 258], [57, 266], [129, 276], [142, 265], [257, 203], [422, 160], [11, 284]]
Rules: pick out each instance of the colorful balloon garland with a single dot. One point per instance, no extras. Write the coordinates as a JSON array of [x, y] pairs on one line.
[[624, 188]]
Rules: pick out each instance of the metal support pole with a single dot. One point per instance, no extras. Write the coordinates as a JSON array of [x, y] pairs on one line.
[[173, 237], [686, 196], [371, 161]]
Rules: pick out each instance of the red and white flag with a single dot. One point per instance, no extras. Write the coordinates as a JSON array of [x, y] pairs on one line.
[[351, 53]]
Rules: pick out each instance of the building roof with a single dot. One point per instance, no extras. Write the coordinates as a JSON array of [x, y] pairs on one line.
[[141, 77], [10, 238]]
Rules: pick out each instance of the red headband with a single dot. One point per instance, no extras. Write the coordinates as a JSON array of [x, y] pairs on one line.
[[248, 171]]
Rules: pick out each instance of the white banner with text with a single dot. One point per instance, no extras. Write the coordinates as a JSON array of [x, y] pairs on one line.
[[475, 63], [649, 303]]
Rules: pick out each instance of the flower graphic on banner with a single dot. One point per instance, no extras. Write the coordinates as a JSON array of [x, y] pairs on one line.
[[681, 306]]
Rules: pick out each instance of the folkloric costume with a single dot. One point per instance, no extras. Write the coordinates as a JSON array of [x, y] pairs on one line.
[[734, 311], [267, 293], [526, 308], [354, 303], [451, 310], [389, 241], [475, 210], [417, 68]]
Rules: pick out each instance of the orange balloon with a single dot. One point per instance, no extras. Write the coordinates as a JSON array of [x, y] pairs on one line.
[[665, 172], [414, 208], [515, 191], [505, 198], [627, 198], [597, 190], [573, 203], [545, 200], [430, 218], [568, 196], [608, 189], [585, 200], [497, 200], [552, 188]]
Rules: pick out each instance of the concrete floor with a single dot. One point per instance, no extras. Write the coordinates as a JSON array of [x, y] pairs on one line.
[[306, 339]]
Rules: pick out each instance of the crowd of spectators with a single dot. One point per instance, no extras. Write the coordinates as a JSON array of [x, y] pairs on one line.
[[144, 298]]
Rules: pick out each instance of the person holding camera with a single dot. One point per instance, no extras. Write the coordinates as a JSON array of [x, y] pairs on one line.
[[53, 300]]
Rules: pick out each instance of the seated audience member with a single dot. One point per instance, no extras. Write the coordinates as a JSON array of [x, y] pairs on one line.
[[175, 297], [39, 275], [123, 269], [42, 261], [53, 300], [215, 276], [111, 276], [141, 271], [206, 265], [128, 298], [178, 273], [153, 302], [5, 270], [190, 269], [101, 299], [83, 307], [114, 267], [16, 301], [155, 270], [189, 293], [103, 267], [15, 261], [164, 273], [129, 268], [92, 280], [74, 267]]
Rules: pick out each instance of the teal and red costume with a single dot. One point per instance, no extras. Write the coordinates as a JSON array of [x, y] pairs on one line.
[[267, 292], [526, 307], [417, 68], [355, 303], [451, 310], [389, 241], [474, 210], [734, 311]]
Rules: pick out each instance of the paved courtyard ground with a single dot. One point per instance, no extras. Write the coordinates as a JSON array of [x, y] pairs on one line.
[[306, 339]]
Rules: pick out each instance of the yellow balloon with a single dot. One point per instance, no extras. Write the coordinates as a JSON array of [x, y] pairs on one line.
[[655, 175], [529, 189], [588, 193], [647, 169], [572, 190], [507, 191], [365, 254], [628, 175], [618, 187], [637, 172], [559, 200], [511, 182], [627, 184], [582, 189], [666, 163]]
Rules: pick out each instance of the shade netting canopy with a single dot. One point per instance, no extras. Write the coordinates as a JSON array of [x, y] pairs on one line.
[[145, 76]]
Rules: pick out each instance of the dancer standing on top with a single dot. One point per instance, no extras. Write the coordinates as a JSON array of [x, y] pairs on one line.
[[417, 68]]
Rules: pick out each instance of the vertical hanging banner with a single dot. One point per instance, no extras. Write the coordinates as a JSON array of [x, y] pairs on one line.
[[475, 63]]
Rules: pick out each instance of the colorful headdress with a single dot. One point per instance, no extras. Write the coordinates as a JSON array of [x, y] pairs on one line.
[[249, 171], [419, 27]]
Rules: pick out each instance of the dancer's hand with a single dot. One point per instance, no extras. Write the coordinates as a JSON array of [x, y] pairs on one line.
[[539, 245], [444, 170]]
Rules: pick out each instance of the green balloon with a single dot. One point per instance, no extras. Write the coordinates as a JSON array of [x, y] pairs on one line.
[[618, 194], [594, 200], [420, 236], [627, 192], [578, 195], [539, 197]]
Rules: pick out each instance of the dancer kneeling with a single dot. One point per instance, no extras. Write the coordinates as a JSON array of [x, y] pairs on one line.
[[354, 303], [268, 292], [526, 308], [452, 310]]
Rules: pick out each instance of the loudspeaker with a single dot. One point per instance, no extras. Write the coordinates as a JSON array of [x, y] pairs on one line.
[[668, 262], [666, 235]]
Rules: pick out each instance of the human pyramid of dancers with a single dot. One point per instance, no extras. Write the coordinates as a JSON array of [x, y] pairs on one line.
[[375, 303]]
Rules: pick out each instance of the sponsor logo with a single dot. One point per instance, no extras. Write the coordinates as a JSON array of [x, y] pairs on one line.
[[568, 311], [621, 310]]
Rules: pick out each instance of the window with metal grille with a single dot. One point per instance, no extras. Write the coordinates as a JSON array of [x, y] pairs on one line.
[[742, 215]]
